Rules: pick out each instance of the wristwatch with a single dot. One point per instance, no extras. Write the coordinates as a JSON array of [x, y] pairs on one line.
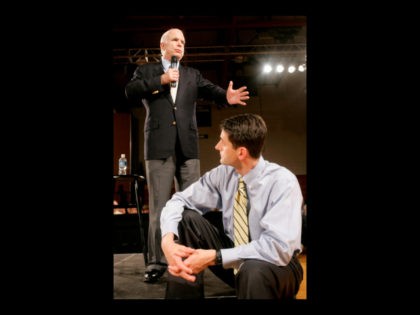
[[219, 260]]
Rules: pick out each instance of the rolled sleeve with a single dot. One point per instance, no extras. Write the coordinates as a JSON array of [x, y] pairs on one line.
[[170, 217]]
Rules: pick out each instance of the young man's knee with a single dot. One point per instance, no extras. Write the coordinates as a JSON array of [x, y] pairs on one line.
[[189, 214]]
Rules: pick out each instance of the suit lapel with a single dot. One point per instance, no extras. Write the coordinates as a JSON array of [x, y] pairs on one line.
[[182, 83], [166, 88]]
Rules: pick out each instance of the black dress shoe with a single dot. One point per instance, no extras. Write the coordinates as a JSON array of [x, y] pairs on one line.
[[153, 276]]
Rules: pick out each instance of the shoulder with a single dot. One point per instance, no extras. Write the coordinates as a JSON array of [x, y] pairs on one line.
[[279, 173], [189, 70], [220, 174], [149, 66]]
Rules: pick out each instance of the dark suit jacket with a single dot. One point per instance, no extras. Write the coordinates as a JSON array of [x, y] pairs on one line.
[[165, 120]]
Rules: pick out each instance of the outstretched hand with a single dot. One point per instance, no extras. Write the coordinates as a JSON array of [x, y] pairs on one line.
[[236, 96]]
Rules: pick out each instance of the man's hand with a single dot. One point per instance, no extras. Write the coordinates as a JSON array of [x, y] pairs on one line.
[[236, 96], [171, 75], [175, 255], [201, 259]]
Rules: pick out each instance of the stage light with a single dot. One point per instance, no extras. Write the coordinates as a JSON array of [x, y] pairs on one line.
[[267, 69], [280, 68], [276, 68]]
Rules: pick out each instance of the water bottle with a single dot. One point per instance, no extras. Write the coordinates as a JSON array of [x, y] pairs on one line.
[[122, 165]]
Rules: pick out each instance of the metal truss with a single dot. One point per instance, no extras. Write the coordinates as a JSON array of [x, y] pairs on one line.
[[123, 56]]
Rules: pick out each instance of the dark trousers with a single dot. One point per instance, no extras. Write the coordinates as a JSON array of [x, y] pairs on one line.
[[256, 279]]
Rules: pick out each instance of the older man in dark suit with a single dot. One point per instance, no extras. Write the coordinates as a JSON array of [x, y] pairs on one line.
[[169, 92]]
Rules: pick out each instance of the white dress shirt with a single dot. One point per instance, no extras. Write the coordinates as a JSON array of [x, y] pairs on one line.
[[166, 64]]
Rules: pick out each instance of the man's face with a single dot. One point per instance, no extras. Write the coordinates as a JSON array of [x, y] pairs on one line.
[[174, 45], [228, 154]]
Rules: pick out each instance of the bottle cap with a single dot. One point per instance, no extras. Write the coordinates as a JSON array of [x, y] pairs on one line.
[[123, 155]]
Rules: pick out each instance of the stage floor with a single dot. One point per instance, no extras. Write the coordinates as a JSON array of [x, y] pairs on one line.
[[128, 281]]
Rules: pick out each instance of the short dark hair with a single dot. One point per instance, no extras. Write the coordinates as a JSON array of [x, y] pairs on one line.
[[246, 130]]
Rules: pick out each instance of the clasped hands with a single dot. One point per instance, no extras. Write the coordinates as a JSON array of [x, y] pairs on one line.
[[185, 261]]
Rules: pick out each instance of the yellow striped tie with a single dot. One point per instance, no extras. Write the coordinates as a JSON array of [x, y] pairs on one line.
[[240, 216]]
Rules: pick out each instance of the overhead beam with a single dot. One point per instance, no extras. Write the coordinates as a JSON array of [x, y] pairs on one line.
[[197, 26], [195, 54]]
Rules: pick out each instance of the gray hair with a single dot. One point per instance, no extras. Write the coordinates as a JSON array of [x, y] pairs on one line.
[[164, 37]]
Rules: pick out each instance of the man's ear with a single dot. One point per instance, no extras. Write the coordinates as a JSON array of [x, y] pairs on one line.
[[242, 153]]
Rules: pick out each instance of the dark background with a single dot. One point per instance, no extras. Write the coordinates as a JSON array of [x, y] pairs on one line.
[[61, 78]]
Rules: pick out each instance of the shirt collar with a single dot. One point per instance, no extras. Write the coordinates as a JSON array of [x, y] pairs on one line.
[[253, 174], [166, 64]]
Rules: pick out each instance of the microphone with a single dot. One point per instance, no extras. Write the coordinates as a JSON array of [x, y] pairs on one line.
[[174, 61]]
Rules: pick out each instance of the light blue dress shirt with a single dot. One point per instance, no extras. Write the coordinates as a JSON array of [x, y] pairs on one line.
[[275, 210], [166, 64]]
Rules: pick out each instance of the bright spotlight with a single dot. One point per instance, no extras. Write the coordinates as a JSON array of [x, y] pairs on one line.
[[280, 68], [291, 69], [267, 69]]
